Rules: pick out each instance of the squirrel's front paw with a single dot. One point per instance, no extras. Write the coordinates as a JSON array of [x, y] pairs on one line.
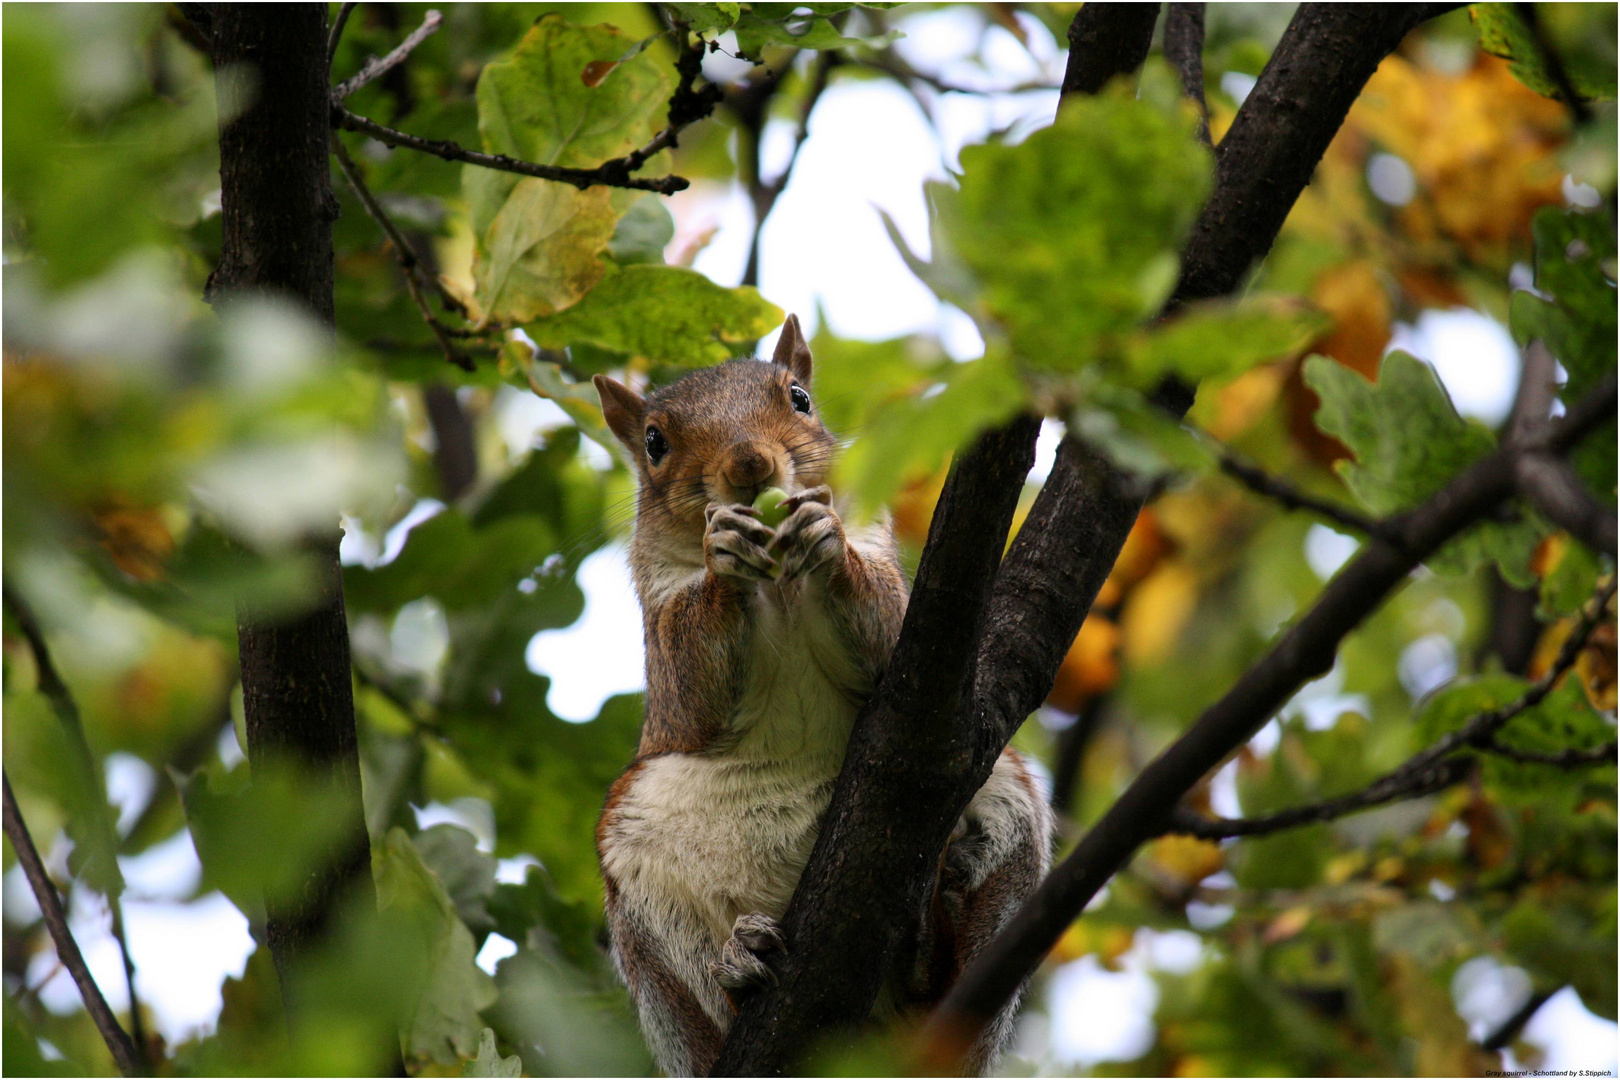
[[812, 536], [734, 544], [741, 968]]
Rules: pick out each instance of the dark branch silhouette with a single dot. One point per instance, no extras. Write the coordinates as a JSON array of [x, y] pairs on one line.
[[67, 950]]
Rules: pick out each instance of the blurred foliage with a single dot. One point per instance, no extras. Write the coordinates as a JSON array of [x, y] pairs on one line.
[[162, 459]]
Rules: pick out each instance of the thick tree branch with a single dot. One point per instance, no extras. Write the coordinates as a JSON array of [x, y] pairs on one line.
[[1184, 48], [276, 211], [376, 67], [1305, 651], [1552, 487], [67, 950], [1105, 41], [876, 893], [1060, 559]]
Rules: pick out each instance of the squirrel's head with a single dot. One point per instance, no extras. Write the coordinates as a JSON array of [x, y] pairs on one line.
[[721, 435]]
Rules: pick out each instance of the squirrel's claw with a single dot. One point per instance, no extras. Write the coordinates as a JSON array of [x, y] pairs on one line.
[[811, 537], [734, 544], [740, 967]]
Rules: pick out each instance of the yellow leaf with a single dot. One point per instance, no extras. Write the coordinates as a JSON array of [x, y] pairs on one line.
[[1159, 607]]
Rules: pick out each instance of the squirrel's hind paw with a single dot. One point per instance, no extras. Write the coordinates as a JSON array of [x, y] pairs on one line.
[[740, 968]]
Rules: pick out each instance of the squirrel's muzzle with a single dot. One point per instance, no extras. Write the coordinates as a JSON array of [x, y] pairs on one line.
[[747, 468]]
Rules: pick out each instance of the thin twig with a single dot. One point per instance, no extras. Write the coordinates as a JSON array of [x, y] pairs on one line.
[[67, 712], [402, 251], [67, 950], [609, 174], [1281, 491], [890, 63], [765, 193], [375, 68], [1432, 768], [1563, 759], [344, 11]]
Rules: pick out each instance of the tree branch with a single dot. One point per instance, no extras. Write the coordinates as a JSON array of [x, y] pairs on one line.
[[408, 261], [1109, 40], [1184, 48], [67, 950], [1305, 651], [1431, 769], [1049, 577], [375, 68], [611, 174], [335, 35], [764, 193], [1281, 491], [1552, 487], [90, 779], [686, 106]]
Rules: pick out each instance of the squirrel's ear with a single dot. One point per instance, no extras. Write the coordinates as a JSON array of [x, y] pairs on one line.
[[792, 352], [624, 410]]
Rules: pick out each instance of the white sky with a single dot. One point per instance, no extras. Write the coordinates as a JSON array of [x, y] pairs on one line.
[[869, 147]]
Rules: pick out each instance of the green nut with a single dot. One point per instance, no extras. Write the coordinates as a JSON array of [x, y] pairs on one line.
[[771, 505]]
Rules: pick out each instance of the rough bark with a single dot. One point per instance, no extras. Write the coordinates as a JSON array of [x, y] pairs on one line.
[[277, 209], [1053, 571]]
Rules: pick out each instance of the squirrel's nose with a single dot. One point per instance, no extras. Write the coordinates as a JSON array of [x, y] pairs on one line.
[[746, 467]]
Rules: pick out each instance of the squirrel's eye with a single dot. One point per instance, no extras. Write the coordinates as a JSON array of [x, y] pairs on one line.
[[657, 445], [800, 398]]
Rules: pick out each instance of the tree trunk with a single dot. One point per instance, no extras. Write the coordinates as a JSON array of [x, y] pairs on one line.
[[277, 209]]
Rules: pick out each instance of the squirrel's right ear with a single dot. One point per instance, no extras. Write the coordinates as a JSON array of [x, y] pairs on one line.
[[624, 410], [792, 352]]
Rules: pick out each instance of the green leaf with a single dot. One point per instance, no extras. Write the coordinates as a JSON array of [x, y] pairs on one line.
[[462, 567], [664, 314], [1216, 341], [537, 106], [537, 242], [467, 874], [535, 916], [789, 24], [913, 436], [240, 828], [1502, 33], [489, 1061], [701, 17], [1073, 235], [546, 378], [1408, 442], [854, 379], [444, 1025], [643, 233]]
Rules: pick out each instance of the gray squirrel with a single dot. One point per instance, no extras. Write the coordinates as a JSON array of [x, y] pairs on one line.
[[762, 645]]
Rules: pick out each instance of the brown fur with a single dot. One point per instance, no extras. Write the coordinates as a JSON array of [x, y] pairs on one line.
[[731, 431]]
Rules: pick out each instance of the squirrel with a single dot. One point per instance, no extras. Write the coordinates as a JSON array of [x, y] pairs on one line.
[[762, 645]]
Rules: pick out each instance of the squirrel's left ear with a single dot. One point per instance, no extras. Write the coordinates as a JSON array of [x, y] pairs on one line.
[[624, 410], [792, 352]]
